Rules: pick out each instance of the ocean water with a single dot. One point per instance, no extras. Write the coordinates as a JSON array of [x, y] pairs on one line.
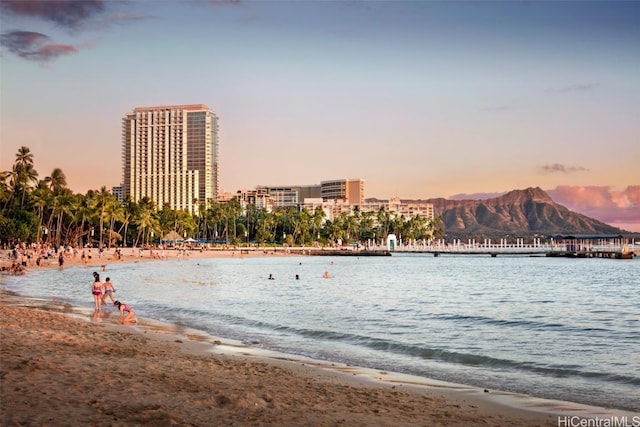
[[556, 328]]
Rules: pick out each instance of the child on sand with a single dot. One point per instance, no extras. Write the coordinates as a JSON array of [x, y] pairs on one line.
[[131, 315], [109, 290]]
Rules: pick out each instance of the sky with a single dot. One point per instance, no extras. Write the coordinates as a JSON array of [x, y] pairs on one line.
[[421, 99]]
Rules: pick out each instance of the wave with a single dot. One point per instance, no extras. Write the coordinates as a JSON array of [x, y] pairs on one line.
[[435, 354], [526, 324]]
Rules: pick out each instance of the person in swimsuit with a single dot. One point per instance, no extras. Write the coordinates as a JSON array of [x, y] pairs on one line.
[[130, 317], [96, 290], [109, 290]]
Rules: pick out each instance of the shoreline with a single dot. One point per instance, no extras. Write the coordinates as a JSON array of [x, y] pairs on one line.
[[461, 404]]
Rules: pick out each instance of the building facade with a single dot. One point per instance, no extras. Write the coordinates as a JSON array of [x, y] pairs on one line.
[[290, 196], [335, 197], [170, 155], [348, 190]]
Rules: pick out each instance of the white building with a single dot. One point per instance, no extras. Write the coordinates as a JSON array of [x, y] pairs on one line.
[[170, 155]]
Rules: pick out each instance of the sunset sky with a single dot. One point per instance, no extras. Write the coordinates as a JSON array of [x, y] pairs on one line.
[[421, 99]]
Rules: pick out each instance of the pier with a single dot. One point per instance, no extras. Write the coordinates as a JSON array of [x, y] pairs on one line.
[[566, 246]]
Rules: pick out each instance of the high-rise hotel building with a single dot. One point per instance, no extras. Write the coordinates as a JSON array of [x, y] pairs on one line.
[[170, 155]]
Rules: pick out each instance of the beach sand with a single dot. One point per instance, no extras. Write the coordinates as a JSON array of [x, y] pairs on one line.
[[62, 369]]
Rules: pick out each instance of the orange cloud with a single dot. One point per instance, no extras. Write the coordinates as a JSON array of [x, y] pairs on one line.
[[602, 203]]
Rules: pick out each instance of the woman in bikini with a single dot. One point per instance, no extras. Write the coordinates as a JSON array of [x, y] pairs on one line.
[[109, 290], [96, 290], [130, 316]]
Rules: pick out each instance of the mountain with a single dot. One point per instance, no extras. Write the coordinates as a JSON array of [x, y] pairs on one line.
[[519, 212]]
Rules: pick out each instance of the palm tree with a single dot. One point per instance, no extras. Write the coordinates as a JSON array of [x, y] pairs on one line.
[[57, 180], [24, 157], [83, 212], [130, 209], [62, 204], [185, 223], [234, 210], [334, 229], [352, 226], [113, 212], [215, 219], [103, 199], [366, 229], [300, 225], [24, 175], [145, 220], [42, 198], [318, 219], [264, 224], [277, 215], [5, 190], [382, 218]]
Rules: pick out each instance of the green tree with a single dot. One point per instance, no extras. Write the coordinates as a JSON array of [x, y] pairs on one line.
[[62, 205], [56, 181], [24, 175]]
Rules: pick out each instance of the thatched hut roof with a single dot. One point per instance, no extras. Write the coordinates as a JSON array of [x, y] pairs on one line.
[[172, 235]]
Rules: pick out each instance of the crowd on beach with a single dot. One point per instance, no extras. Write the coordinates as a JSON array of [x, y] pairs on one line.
[[22, 256], [39, 255]]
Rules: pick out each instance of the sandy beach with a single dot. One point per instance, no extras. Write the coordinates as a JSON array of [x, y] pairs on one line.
[[63, 369]]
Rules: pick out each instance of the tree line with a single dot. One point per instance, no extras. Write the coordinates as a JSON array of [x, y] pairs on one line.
[[47, 211]]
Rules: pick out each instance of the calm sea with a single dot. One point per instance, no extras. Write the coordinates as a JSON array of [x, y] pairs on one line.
[[557, 328]]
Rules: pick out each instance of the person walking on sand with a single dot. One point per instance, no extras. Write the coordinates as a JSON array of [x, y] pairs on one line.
[[130, 317], [96, 290], [109, 290]]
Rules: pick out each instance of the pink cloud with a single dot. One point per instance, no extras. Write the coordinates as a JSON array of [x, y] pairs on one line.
[[617, 208], [632, 194]]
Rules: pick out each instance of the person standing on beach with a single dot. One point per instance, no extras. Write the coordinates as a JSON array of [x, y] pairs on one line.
[[96, 290], [109, 290], [130, 317], [60, 261]]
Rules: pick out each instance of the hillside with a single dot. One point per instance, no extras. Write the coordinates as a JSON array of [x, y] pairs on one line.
[[519, 212]]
